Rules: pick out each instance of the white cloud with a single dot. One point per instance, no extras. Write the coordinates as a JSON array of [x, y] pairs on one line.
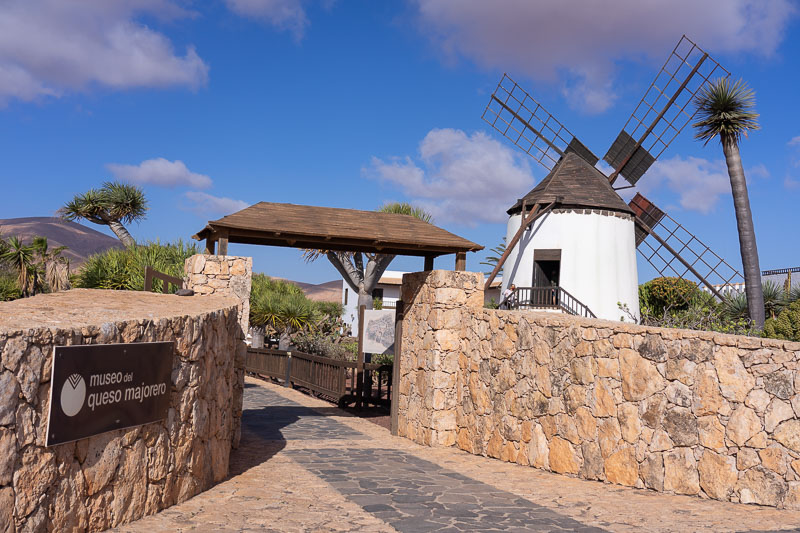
[[791, 184], [577, 43], [795, 141], [462, 178], [160, 172], [205, 204], [48, 47], [698, 182], [283, 14]]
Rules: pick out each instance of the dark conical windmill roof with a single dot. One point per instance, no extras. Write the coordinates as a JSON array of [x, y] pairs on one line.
[[573, 182]]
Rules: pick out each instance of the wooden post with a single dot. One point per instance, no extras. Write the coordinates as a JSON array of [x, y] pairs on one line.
[[398, 336], [360, 360], [428, 263], [461, 261], [223, 245], [288, 381], [148, 279], [210, 245]]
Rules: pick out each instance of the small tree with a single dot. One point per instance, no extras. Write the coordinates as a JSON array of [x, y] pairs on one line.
[[51, 267], [363, 278], [20, 257], [114, 205]]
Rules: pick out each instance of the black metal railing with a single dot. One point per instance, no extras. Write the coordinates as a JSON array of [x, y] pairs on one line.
[[549, 298]]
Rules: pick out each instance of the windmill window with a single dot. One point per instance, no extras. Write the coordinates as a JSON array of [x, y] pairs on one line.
[[345, 296]]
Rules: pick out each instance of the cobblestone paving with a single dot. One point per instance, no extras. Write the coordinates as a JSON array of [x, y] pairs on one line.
[[413, 494], [304, 466], [270, 416]]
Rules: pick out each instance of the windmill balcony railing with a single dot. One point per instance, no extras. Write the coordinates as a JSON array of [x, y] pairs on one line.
[[548, 298]]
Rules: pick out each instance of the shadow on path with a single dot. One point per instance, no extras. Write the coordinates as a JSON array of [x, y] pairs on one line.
[[269, 420]]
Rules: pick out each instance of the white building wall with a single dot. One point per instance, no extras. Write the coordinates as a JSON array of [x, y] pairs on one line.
[[391, 294], [598, 258]]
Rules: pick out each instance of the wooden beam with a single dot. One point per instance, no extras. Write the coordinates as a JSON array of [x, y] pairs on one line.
[[399, 313], [535, 213], [691, 269], [613, 177], [461, 261], [210, 245], [428, 262]]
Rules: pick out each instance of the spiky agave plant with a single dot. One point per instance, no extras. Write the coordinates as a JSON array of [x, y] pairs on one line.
[[774, 298], [734, 306]]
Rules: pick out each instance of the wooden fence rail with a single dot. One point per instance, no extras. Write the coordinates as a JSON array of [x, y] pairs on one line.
[[151, 273], [331, 378]]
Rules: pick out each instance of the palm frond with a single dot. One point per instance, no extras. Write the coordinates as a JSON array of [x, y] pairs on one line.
[[124, 202], [404, 208], [725, 110]]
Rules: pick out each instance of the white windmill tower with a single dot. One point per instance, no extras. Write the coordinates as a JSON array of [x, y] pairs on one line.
[[583, 245], [572, 240]]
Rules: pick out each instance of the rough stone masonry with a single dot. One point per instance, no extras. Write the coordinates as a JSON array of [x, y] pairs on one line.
[[119, 476], [678, 411]]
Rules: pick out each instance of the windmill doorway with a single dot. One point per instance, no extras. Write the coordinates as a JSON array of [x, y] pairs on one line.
[[546, 268], [546, 277]]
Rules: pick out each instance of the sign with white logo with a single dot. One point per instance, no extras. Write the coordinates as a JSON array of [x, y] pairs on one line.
[[96, 388]]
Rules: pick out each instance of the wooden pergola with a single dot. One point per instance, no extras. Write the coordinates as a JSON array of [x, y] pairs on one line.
[[335, 229]]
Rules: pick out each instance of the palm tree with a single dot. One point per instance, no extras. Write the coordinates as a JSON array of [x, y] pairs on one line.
[[113, 205], [494, 258], [726, 110], [362, 278], [20, 257], [53, 267]]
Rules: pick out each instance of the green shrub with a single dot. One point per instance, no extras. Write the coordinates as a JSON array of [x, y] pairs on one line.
[[281, 308], [9, 288], [786, 325], [666, 293], [124, 269], [327, 346]]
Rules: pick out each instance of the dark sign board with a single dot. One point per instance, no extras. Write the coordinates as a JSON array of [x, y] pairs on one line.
[[101, 387]]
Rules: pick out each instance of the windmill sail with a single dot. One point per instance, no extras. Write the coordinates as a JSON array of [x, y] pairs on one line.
[[673, 251], [663, 112], [519, 117]]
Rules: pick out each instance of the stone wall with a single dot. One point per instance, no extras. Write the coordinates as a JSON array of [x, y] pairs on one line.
[[230, 276], [222, 274], [676, 411], [119, 476]]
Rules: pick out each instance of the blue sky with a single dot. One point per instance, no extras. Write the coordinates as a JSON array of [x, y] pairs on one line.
[[211, 106]]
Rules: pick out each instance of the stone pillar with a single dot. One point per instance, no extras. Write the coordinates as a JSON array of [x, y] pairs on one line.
[[228, 275], [436, 304]]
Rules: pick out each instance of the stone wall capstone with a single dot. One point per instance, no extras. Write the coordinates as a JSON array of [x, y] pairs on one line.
[[119, 476], [231, 276], [677, 411]]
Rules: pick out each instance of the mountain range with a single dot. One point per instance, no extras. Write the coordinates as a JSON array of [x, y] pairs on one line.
[[81, 241]]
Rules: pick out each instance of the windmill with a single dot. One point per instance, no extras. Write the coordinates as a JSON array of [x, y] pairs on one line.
[[576, 187]]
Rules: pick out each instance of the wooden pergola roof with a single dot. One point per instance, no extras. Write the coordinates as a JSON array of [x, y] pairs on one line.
[[329, 228]]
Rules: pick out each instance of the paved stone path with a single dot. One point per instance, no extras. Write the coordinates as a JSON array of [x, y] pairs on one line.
[[303, 466]]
